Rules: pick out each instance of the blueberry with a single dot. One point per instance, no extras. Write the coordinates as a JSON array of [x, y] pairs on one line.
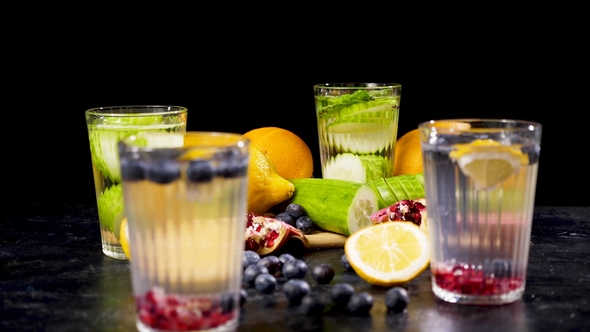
[[360, 303], [323, 273], [295, 290], [304, 224], [397, 299], [285, 257], [265, 283], [284, 216], [272, 263], [252, 271], [162, 171], [295, 210], [228, 302], [345, 263], [295, 269], [132, 170], [341, 294], [312, 304], [243, 297], [249, 257], [200, 170], [231, 163]]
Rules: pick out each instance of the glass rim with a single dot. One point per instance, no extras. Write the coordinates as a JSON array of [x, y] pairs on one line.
[[356, 85], [128, 110], [224, 140], [464, 124]]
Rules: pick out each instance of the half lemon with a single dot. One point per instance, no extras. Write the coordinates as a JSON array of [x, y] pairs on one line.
[[488, 162], [389, 253]]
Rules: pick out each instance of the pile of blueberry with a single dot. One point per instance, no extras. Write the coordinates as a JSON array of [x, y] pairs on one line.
[[286, 273], [296, 216]]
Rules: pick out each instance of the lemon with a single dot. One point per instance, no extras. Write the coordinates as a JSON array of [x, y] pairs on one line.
[[124, 238], [389, 253], [488, 162], [266, 187]]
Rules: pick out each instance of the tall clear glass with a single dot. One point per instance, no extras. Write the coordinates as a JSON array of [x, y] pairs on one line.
[[186, 209], [357, 129], [480, 179], [106, 126]]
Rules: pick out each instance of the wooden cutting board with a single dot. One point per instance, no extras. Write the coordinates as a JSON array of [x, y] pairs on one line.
[[320, 239]]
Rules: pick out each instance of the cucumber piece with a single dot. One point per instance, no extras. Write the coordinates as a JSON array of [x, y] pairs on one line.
[[393, 189], [350, 167], [111, 206], [334, 205], [368, 137], [103, 148]]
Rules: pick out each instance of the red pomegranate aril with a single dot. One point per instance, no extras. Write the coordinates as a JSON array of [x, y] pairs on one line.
[[176, 313], [468, 280]]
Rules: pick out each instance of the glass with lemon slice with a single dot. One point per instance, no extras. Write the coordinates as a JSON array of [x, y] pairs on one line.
[[185, 203], [480, 180]]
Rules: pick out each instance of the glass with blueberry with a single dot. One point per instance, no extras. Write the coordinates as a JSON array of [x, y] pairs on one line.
[[185, 205]]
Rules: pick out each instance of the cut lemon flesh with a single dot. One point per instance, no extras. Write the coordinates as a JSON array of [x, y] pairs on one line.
[[487, 162], [389, 253]]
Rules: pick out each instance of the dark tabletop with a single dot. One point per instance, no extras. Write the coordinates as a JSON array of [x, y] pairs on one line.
[[54, 277]]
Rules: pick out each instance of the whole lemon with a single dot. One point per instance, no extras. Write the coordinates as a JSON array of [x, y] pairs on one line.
[[288, 152], [266, 187]]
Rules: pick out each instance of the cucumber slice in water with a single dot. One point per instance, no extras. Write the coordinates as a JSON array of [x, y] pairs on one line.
[[103, 148], [110, 206], [367, 137], [350, 167]]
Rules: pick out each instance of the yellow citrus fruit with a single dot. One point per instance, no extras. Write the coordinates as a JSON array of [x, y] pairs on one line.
[[389, 253], [124, 238], [408, 154], [488, 162], [266, 187], [289, 154]]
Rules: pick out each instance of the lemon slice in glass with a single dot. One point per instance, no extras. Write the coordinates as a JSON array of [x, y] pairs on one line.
[[124, 238], [488, 162]]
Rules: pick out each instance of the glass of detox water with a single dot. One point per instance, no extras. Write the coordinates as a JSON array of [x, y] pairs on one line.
[[186, 213], [480, 179], [106, 126], [357, 129]]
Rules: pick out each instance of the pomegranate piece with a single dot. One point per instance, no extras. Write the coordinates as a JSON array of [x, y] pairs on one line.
[[412, 210], [265, 234]]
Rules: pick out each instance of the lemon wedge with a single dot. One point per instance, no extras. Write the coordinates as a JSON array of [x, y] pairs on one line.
[[389, 253], [488, 162], [124, 238]]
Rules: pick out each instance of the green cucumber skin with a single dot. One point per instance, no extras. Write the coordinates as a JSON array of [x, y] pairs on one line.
[[393, 189], [326, 201]]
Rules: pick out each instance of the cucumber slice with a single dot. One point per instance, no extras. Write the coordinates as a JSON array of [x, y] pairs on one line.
[[336, 206], [110, 206], [103, 148], [368, 137], [350, 167]]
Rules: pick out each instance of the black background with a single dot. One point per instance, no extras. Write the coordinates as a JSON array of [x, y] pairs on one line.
[[253, 77]]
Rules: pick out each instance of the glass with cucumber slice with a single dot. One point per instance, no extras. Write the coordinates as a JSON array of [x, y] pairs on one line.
[[357, 129], [106, 127]]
